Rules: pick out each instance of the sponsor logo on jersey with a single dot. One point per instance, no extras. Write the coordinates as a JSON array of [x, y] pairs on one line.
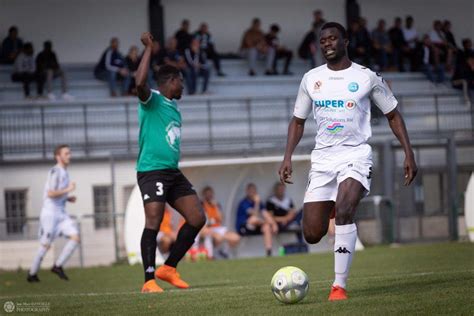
[[335, 128], [350, 104], [146, 197], [317, 86], [353, 86], [173, 135], [336, 78], [336, 104]]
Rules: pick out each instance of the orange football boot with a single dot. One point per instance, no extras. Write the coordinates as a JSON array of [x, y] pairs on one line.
[[337, 294], [170, 275], [150, 286]]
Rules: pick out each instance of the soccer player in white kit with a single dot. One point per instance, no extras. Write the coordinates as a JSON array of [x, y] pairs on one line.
[[338, 95], [54, 221]]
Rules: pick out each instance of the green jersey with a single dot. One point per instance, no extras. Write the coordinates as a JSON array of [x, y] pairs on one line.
[[159, 139]]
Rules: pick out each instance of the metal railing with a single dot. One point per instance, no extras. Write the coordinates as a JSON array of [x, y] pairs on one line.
[[213, 125]]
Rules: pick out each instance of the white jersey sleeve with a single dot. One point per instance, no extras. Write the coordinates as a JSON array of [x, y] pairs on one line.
[[381, 94], [53, 182], [303, 104]]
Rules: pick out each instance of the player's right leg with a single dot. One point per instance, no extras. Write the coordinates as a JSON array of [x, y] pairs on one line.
[[47, 232], [316, 216]]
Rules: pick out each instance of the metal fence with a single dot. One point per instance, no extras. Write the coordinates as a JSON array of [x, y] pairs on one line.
[[214, 125]]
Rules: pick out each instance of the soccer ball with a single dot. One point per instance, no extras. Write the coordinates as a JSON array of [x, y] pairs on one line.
[[290, 285]]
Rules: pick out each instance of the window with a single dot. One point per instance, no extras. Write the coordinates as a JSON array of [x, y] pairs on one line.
[[102, 206], [15, 206]]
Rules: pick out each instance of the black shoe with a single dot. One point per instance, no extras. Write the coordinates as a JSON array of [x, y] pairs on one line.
[[221, 74], [60, 272], [271, 73], [251, 73], [32, 278]]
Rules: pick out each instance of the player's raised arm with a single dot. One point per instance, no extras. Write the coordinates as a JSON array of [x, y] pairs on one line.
[[141, 75]]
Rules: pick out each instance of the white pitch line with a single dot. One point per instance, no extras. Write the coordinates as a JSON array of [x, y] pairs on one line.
[[238, 287]]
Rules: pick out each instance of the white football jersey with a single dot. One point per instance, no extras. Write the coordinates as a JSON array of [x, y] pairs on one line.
[[340, 102], [58, 179]]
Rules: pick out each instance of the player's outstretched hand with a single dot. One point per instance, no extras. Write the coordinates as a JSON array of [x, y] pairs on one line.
[[147, 39], [285, 172], [410, 170]]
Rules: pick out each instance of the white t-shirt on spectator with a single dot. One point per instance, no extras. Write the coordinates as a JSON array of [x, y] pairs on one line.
[[435, 37], [410, 36]]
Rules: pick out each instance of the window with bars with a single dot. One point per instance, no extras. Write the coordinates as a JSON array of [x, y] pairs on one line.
[[102, 206], [15, 206]]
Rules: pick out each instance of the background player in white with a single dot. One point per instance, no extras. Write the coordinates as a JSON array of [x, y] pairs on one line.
[[338, 94], [54, 221]]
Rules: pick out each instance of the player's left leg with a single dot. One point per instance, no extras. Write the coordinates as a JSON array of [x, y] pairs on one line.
[[350, 192], [67, 227]]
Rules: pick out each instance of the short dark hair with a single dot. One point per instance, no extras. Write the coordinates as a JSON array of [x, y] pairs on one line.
[[255, 20], [58, 148], [12, 28], [338, 26], [165, 73], [27, 46], [251, 184], [207, 188], [275, 28], [47, 44]]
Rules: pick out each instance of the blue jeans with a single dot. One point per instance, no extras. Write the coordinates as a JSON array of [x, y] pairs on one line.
[[191, 75], [112, 78], [435, 73]]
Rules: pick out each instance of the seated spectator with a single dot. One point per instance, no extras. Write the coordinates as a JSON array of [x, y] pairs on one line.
[[381, 46], [172, 56], [166, 235], [307, 49], [214, 228], [399, 46], [254, 219], [11, 46], [280, 50], [282, 209], [24, 71], [466, 51], [359, 44], [112, 68], [411, 38], [196, 67], [132, 61], [448, 35], [442, 52], [254, 46], [207, 46], [463, 78], [48, 66], [183, 37], [157, 58], [432, 69]]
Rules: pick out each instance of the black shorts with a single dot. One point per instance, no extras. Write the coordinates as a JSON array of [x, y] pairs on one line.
[[166, 185], [244, 230]]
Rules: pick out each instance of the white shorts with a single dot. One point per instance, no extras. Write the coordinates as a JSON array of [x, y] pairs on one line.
[[219, 230], [56, 224], [330, 166]]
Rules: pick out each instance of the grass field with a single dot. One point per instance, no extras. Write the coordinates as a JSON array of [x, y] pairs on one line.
[[420, 279]]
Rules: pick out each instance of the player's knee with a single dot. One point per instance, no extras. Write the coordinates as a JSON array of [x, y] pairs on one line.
[[345, 213], [313, 237], [198, 221]]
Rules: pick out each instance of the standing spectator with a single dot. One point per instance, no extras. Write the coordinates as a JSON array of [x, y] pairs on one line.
[[48, 66], [132, 61], [359, 44], [465, 51], [254, 45], [319, 21], [172, 55], [463, 78], [411, 38], [11, 46], [111, 68], [307, 48], [254, 219], [448, 35], [432, 69], [183, 36], [398, 44], [214, 228], [157, 59], [280, 51], [282, 209], [381, 45], [442, 52], [208, 46], [196, 67], [24, 71]]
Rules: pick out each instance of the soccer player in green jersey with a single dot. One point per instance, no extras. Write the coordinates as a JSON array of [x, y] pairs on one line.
[[159, 178]]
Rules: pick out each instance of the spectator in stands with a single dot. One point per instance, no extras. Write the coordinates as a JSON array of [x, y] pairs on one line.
[[432, 69], [411, 38], [465, 51], [208, 46], [24, 71], [319, 21], [11, 46], [157, 58], [196, 67], [399, 46], [214, 228], [167, 234], [282, 209], [448, 35], [132, 61], [381, 45], [172, 55], [183, 36], [307, 48], [48, 66], [280, 50], [254, 45], [463, 78], [359, 44], [254, 219], [442, 52], [111, 68]]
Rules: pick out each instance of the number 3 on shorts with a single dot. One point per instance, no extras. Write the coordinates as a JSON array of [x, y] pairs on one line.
[[159, 188]]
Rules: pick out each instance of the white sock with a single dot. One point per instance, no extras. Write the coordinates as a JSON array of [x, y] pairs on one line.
[[38, 259], [66, 253], [344, 248]]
